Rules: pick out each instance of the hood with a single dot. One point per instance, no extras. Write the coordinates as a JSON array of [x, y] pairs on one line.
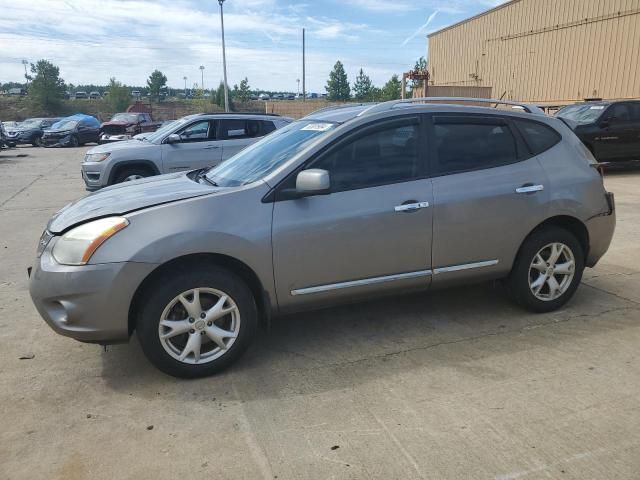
[[124, 145], [57, 130], [119, 123], [127, 197]]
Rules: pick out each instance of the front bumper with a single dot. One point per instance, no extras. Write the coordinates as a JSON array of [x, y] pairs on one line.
[[56, 141], [601, 229], [89, 303], [92, 174]]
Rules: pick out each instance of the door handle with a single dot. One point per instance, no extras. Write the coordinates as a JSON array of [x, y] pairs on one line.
[[411, 207], [211, 147], [529, 188]]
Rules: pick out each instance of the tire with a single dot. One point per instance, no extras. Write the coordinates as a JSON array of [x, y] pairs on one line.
[[74, 141], [37, 142], [161, 302], [531, 274], [134, 173]]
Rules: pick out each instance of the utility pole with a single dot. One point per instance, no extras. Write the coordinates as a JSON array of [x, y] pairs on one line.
[[304, 91], [202, 83], [224, 60], [185, 86], [298, 80], [26, 76]]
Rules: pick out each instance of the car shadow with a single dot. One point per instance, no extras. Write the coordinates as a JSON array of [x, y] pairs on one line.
[[338, 348]]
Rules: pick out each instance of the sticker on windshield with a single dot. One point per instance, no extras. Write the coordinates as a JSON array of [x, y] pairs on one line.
[[597, 107], [318, 127]]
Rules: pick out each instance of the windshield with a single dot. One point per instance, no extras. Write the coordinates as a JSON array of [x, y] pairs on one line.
[[124, 117], [264, 156], [65, 124], [582, 114], [159, 134]]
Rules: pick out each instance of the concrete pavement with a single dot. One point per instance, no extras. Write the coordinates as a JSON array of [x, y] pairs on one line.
[[455, 384]]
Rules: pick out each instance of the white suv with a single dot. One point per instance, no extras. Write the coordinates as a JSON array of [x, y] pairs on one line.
[[195, 141]]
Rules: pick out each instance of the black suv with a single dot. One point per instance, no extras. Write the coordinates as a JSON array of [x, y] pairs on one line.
[[29, 131], [611, 130]]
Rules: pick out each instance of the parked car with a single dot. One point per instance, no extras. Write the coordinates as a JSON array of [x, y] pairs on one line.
[[263, 96], [123, 126], [610, 130], [135, 93], [344, 204], [72, 131], [195, 141], [81, 95], [30, 131], [94, 95], [3, 137], [5, 127]]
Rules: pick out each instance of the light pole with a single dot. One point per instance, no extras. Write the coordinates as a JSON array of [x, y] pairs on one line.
[[26, 76], [298, 80], [224, 60], [185, 86], [202, 83]]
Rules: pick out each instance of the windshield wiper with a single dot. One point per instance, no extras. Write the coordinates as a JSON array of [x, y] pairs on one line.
[[202, 175]]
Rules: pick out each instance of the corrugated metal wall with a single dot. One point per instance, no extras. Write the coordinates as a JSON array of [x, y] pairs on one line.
[[546, 51]]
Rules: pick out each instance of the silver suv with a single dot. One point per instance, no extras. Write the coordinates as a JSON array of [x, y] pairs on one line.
[[194, 141], [342, 205]]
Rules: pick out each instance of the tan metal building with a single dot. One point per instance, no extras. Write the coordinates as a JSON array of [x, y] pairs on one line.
[[550, 52]]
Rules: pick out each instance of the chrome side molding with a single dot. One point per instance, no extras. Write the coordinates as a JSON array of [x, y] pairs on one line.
[[391, 278], [362, 282], [465, 266]]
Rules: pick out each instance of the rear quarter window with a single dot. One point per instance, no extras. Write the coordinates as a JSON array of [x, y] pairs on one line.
[[539, 137]]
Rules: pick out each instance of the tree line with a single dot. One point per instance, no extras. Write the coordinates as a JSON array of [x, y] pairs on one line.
[[363, 90], [46, 88]]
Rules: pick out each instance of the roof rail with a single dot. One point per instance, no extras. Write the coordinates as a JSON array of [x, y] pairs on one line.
[[385, 106], [337, 107], [239, 113]]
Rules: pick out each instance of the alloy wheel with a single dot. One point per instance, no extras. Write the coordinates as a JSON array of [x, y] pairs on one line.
[[551, 271], [199, 325], [130, 178]]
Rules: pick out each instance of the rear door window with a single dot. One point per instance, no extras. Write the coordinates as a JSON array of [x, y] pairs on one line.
[[472, 143], [539, 137], [233, 129]]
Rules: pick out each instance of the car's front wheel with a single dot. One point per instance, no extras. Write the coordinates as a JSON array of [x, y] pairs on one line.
[[196, 323], [547, 271], [131, 174]]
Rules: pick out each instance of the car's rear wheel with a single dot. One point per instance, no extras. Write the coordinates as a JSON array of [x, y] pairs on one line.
[[37, 141], [196, 323], [547, 271], [131, 174]]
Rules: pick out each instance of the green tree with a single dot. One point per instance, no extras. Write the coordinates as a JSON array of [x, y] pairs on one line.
[[217, 97], [420, 66], [119, 97], [156, 81], [244, 91], [391, 89], [362, 87], [338, 84], [47, 88]]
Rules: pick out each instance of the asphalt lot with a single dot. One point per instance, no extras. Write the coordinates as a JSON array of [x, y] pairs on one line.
[[451, 385]]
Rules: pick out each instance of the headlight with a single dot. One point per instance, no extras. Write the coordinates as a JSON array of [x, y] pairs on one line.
[[78, 245], [96, 157]]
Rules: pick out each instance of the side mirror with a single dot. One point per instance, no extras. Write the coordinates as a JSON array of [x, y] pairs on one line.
[[313, 182], [308, 182], [173, 138]]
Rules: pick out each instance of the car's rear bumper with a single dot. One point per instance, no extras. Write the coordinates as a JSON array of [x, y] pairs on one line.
[[89, 303], [601, 229]]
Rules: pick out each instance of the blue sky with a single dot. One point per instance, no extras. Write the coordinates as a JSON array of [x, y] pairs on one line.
[[93, 40]]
